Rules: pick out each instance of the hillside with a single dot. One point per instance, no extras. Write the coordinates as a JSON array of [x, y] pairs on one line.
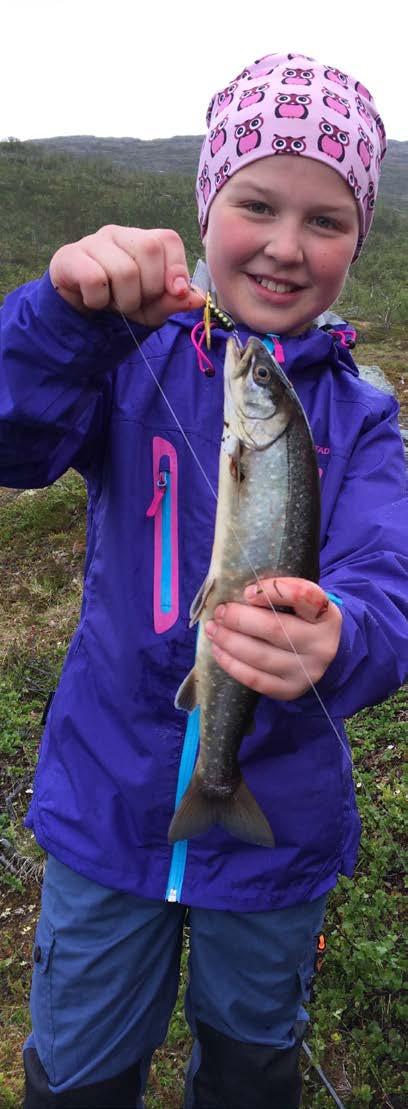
[[47, 197], [180, 155]]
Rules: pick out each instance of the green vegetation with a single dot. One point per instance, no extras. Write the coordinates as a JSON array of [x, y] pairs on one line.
[[49, 199], [358, 1011]]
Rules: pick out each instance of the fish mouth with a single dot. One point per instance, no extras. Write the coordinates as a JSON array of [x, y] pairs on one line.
[[239, 356]]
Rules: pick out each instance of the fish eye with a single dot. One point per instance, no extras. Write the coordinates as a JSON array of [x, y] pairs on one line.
[[261, 374]]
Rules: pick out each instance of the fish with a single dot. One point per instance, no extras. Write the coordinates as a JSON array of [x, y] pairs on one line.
[[267, 525]]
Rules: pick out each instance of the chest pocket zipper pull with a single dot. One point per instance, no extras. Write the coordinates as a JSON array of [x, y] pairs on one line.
[[161, 486]]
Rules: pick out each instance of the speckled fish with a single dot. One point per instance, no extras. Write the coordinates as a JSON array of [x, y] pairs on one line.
[[267, 525]]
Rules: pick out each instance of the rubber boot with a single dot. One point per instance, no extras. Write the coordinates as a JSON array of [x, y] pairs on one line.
[[235, 1075], [120, 1092]]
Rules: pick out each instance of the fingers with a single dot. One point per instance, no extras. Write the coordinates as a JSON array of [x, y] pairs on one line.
[[278, 629], [306, 598], [142, 273], [269, 685], [278, 654], [79, 278], [255, 652]]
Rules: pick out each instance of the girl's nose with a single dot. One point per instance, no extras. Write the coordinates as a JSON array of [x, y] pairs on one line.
[[285, 244]]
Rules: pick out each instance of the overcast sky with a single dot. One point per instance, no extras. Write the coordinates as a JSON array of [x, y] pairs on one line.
[[147, 69]]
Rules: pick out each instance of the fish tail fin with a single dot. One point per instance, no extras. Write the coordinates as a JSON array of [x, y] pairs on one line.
[[242, 817], [195, 814], [239, 814]]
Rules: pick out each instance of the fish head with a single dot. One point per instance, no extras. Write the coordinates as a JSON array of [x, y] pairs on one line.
[[259, 399]]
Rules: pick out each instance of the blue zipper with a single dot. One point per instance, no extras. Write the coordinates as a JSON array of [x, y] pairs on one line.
[[187, 762], [165, 581]]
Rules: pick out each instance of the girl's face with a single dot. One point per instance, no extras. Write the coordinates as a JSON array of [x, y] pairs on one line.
[[281, 235]]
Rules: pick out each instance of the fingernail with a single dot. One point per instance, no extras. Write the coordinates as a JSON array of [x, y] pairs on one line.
[[219, 612], [323, 608], [252, 591], [210, 628], [180, 287]]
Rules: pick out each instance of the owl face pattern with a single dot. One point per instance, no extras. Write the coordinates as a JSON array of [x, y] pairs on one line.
[[205, 183], [363, 91], [297, 76], [365, 148], [252, 96], [362, 111], [336, 103], [354, 185], [218, 136], [241, 76], [332, 141], [288, 144], [225, 97], [265, 68], [380, 131], [248, 134], [290, 57], [292, 105], [279, 93], [369, 198], [337, 76], [222, 175]]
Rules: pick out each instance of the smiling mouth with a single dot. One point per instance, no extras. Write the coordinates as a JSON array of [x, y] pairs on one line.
[[277, 286]]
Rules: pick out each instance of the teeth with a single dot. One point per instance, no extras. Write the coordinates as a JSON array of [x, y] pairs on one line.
[[275, 286]]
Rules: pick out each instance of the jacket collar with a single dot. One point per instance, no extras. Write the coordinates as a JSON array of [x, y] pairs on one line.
[[326, 344]]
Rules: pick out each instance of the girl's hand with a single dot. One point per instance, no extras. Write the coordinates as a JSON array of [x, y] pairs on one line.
[[144, 274], [249, 641]]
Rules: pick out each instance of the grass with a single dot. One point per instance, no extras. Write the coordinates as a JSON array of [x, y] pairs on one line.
[[358, 1012]]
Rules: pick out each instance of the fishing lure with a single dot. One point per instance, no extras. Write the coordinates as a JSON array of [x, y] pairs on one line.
[[212, 314], [201, 333]]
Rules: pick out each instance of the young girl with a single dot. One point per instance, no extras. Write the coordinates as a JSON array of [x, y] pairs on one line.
[[286, 188]]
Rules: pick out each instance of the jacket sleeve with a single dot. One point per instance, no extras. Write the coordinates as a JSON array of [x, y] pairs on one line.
[[56, 373], [364, 561]]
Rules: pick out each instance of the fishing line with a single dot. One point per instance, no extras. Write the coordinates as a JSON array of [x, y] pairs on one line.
[[306, 1048], [238, 541]]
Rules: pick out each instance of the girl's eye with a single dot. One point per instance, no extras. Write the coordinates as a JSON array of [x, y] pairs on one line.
[[258, 207], [325, 222]]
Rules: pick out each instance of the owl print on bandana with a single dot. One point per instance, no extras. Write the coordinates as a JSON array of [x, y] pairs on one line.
[[288, 144], [336, 103], [292, 105], [222, 174], [252, 96], [225, 97], [365, 148], [333, 140], [218, 136], [248, 134], [331, 117], [204, 183]]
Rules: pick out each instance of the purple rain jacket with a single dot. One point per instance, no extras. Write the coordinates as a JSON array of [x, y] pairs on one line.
[[115, 752]]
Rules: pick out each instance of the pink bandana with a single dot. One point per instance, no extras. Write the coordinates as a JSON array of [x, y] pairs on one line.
[[290, 104]]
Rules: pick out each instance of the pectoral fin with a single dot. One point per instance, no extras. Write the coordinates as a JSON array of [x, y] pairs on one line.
[[186, 696], [200, 600]]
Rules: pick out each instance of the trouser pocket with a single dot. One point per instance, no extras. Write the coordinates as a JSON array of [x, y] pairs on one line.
[[41, 992]]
